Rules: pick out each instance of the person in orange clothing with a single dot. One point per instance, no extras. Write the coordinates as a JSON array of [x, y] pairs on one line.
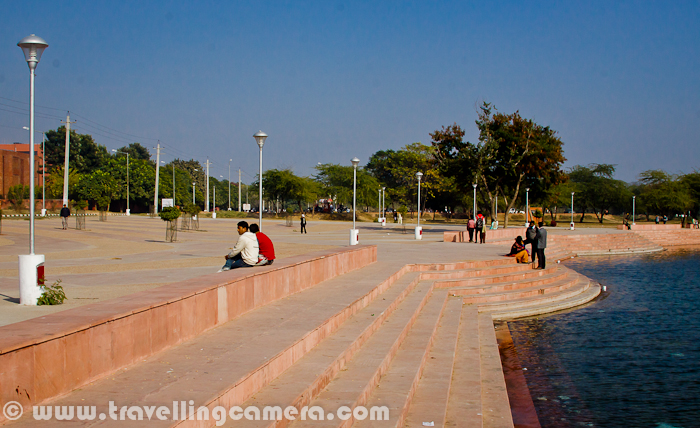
[[267, 250], [519, 251]]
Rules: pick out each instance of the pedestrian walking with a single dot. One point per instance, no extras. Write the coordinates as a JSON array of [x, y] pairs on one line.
[[481, 227], [303, 223], [471, 226], [65, 213]]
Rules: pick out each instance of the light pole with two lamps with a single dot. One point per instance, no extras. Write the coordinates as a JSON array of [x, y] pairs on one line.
[[31, 266], [419, 230], [128, 211], [354, 233], [260, 138]]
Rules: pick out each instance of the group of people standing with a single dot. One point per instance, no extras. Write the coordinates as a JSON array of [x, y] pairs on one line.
[[253, 248], [476, 226], [536, 236]]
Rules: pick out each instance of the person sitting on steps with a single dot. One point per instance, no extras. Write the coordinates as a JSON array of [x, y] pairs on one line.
[[245, 252], [519, 251], [267, 250]]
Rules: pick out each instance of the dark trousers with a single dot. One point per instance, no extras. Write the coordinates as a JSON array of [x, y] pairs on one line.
[[303, 228], [482, 236], [471, 234], [533, 251], [541, 258]]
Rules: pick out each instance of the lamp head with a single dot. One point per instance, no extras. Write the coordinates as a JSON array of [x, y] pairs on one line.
[[527, 189], [474, 185], [260, 138], [33, 47], [355, 162], [419, 175]]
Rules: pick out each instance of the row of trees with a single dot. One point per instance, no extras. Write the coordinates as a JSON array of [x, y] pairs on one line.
[[512, 154]]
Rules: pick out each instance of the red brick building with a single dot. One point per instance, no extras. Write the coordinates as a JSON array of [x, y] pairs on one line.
[[14, 166]]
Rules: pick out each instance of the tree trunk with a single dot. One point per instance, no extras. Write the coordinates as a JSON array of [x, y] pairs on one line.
[[583, 214]]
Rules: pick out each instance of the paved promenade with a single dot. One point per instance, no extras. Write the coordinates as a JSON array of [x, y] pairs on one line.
[[125, 255]]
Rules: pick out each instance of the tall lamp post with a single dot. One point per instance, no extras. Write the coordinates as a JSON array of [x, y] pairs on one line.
[[128, 211], [354, 233], [419, 230], [43, 171], [383, 206], [31, 266], [634, 203], [572, 211], [229, 184], [474, 212], [193, 187], [260, 139], [527, 207]]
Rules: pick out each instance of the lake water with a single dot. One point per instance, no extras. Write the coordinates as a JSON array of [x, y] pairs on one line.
[[630, 359]]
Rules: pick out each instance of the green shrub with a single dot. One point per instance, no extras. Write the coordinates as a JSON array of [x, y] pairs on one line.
[[79, 205], [169, 213], [191, 209], [16, 195], [52, 294]]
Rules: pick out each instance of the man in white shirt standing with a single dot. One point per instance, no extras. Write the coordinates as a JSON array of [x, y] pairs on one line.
[[245, 253]]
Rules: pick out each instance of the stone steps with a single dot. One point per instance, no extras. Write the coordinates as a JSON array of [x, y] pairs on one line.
[[560, 280], [495, 283]]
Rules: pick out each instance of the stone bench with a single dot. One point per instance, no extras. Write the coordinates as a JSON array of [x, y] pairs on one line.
[[46, 357]]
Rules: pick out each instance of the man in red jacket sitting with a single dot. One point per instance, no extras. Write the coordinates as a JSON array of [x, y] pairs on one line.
[[267, 250]]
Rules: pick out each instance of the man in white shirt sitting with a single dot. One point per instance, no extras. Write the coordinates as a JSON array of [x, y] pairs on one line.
[[245, 253]]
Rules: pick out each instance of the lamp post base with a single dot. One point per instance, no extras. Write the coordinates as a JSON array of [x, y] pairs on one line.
[[213, 215], [43, 212], [31, 270], [419, 233], [128, 212], [572, 225], [354, 236]]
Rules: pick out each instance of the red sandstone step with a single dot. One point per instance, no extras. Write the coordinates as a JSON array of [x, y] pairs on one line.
[[449, 392], [579, 299], [302, 382], [483, 283], [575, 288], [228, 364], [512, 266], [494, 396], [532, 289], [398, 385], [353, 386]]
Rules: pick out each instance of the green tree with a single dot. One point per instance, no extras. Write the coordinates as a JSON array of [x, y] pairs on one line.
[[141, 177], [135, 151], [512, 153], [99, 187], [335, 181], [85, 154], [663, 193], [596, 190]]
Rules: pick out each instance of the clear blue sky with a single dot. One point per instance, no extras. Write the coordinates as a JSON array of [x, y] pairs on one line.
[[330, 80]]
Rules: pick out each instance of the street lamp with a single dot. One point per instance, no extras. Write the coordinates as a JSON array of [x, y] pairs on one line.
[[193, 187], [474, 212], [527, 207], [379, 204], [354, 235], [634, 200], [229, 184], [383, 206], [31, 266], [419, 230], [260, 139], [572, 210], [43, 171], [128, 211]]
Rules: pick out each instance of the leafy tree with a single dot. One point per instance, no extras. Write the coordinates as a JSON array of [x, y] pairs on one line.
[[54, 183], [285, 186], [98, 186], [663, 193], [597, 190], [136, 151], [512, 153], [692, 182], [85, 154], [335, 181], [141, 176]]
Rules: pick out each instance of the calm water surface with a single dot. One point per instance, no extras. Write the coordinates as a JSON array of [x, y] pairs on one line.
[[627, 360]]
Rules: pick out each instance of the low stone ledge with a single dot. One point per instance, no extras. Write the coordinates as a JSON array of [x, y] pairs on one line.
[[650, 226], [45, 357], [491, 234]]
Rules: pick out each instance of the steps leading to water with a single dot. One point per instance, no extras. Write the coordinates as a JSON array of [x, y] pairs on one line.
[[416, 341]]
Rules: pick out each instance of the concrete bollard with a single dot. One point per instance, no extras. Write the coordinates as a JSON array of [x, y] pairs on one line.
[[354, 236], [419, 232], [29, 265]]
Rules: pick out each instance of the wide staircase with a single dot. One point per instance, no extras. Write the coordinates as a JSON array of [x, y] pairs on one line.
[[414, 342]]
